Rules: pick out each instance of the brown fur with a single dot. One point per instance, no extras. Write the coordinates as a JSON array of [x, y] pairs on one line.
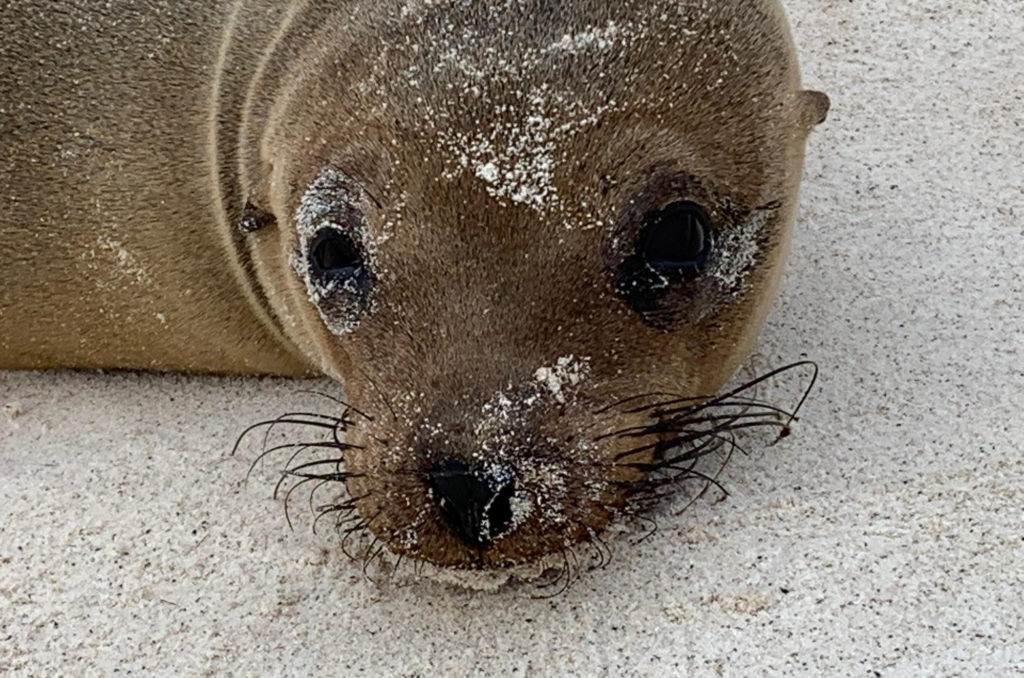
[[130, 159]]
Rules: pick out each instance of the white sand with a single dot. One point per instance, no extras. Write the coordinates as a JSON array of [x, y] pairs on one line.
[[883, 538]]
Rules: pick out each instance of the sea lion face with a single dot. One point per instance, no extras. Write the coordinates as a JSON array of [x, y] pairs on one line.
[[503, 241]]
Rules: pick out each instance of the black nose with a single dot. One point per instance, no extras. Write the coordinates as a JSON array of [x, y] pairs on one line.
[[474, 504]]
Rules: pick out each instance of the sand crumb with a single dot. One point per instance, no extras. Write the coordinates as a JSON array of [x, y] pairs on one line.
[[12, 410]]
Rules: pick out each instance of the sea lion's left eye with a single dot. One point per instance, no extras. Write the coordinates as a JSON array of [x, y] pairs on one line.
[[676, 239], [333, 255]]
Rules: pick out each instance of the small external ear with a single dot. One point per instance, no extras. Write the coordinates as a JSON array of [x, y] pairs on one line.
[[813, 107], [254, 215], [254, 218]]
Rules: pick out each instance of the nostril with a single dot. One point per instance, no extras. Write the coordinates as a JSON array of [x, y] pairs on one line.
[[474, 504]]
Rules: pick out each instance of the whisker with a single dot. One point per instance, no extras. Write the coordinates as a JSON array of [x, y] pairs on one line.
[[271, 423], [336, 463], [360, 527], [563, 574], [644, 519], [339, 401], [624, 401], [714, 400], [287, 419], [330, 510], [369, 554], [288, 497], [746, 407], [356, 528], [603, 549], [769, 375], [301, 447], [669, 425]]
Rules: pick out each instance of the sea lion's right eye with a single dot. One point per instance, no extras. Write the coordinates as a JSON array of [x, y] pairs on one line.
[[334, 255], [677, 239]]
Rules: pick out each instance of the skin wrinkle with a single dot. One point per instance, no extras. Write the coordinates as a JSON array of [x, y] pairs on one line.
[[504, 154]]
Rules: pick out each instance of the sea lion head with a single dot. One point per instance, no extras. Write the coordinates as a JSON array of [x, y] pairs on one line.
[[498, 224]]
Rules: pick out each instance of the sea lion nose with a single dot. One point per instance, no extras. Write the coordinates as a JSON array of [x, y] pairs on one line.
[[474, 503]]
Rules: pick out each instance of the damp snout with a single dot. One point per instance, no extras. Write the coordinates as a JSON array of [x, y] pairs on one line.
[[474, 501]]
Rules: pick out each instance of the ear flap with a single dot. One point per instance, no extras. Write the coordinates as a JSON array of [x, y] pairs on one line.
[[812, 106], [254, 218]]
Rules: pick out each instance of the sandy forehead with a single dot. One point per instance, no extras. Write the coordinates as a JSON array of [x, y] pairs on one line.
[[524, 109], [493, 93]]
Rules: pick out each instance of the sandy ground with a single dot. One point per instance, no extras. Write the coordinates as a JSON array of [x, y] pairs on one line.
[[884, 538]]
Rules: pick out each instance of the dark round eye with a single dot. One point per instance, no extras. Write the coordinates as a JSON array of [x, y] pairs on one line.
[[334, 254], [676, 238]]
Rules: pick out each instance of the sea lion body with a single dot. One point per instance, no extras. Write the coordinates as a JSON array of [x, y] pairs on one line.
[[491, 221], [116, 233]]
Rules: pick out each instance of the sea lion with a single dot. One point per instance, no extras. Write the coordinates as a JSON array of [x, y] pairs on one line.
[[526, 235]]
